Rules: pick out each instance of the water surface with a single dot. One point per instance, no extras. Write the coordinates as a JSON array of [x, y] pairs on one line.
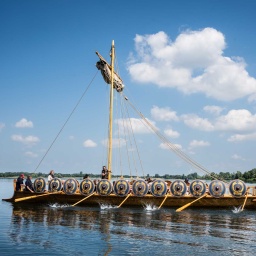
[[29, 229]]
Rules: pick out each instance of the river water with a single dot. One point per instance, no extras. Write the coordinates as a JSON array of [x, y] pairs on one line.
[[28, 229]]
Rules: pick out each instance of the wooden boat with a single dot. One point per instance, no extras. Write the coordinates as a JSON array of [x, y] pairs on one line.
[[138, 192]]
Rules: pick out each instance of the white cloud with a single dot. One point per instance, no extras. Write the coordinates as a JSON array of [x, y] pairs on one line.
[[137, 125], [238, 120], [31, 154], [242, 137], [198, 143], [197, 122], [2, 125], [193, 63], [171, 133], [115, 142], [29, 140], [165, 146], [24, 123], [89, 144], [237, 157], [163, 114], [216, 110]]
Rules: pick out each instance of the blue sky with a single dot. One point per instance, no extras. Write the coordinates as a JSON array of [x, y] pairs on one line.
[[188, 66]]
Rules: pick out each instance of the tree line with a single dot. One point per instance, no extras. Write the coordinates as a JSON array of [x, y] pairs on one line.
[[249, 176]]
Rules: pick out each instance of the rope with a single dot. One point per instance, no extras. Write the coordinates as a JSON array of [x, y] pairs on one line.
[[63, 126], [173, 147], [132, 132]]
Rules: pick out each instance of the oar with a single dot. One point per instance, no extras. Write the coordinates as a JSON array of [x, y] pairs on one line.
[[163, 201], [30, 197], [187, 205], [83, 199], [244, 201], [124, 200]]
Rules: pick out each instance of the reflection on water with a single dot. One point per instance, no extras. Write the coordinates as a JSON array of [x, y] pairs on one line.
[[112, 231], [28, 229]]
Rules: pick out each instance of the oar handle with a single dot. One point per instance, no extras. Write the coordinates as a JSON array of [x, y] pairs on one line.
[[187, 205], [31, 197], [124, 200], [245, 201], [83, 199], [163, 201]]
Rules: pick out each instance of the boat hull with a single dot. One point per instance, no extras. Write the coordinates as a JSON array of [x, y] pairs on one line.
[[135, 201]]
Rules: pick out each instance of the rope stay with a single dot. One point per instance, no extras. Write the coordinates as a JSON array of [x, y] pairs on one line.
[[170, 145], [68, 118], [132, 133]]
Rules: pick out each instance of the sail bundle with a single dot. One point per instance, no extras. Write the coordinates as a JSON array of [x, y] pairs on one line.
[[105, 69]]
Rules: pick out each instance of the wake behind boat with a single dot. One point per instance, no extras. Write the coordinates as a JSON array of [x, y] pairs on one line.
[[138, 192]]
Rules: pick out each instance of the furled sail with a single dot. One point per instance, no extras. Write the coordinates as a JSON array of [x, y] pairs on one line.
[[105, 69]]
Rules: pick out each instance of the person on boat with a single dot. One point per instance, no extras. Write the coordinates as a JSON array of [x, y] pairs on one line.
[[51, 175], [86, 176], [104, 172], [188, 184], [149, 181], [187, 181], [19, 182], [29, 184]]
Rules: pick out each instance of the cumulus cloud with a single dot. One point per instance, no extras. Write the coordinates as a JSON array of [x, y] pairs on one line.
[[165, 146], [116, 143], [196, 122], [237, 120], [31, 154], [2, 125], [198, 143], [242, 137], [137, 125], [241, 120], [29, 140], [24, 123], [163, 114], [215, 110], [171, 133], [193, 63], [89, 144], [237, 157]]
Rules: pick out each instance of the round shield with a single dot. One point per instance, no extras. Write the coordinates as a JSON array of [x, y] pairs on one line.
[[70, 186], [104, 187], [237, 188], [87, 187], [39, 185], [197, 188], [178, 188], [54, 185], [217, 188], [158, 188], [121, 187], [140, 188]]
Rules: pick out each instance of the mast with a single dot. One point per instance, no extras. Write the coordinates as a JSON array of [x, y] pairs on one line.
[[110, 147]]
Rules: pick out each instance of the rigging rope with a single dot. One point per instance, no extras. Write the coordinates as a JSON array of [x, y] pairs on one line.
[[63, 126], [132, 132], [171, 146]]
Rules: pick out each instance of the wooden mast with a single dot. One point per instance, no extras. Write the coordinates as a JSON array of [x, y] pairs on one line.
[[110, 147]]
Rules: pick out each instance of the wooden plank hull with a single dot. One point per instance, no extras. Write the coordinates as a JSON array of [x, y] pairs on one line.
[[135, 201]]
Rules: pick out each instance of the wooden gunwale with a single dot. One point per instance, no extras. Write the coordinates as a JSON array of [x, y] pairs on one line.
[[226, 201]]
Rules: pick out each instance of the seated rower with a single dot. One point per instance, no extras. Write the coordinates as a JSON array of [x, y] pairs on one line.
[[29, 184], [188, 184], [19, 183]]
